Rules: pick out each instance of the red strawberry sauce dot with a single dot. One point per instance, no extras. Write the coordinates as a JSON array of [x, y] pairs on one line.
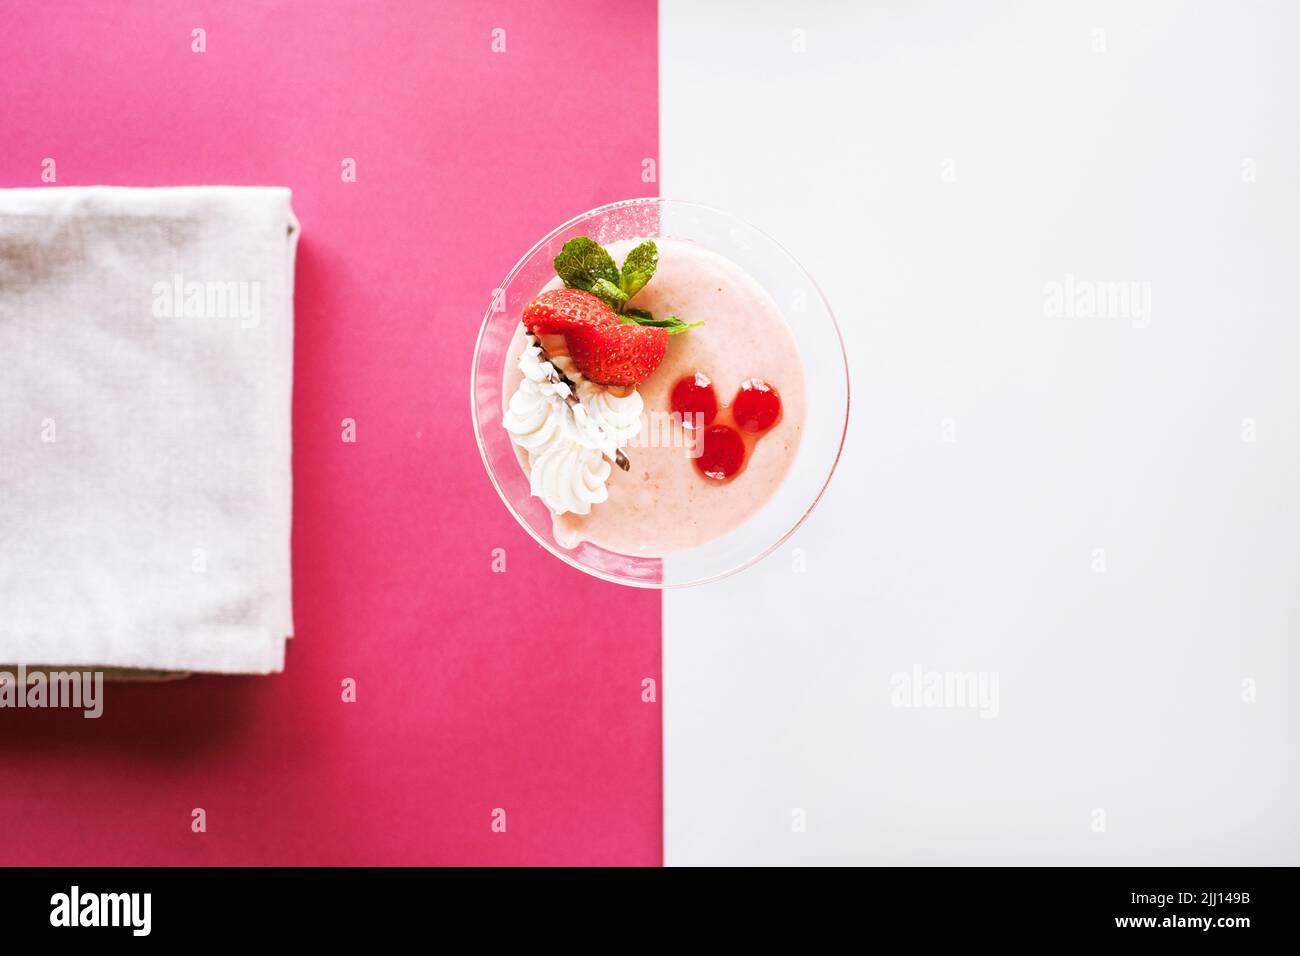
[[693, 396], [722, 452], [757, 406]]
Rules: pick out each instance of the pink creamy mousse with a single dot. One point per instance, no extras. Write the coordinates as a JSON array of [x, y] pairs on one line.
[[663, 504]]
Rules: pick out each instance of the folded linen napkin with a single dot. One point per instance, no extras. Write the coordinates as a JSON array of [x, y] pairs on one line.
[[146, 362]]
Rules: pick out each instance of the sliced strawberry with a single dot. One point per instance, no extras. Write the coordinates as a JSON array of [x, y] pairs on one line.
[[621, 354], [606, 350], [561, 311]]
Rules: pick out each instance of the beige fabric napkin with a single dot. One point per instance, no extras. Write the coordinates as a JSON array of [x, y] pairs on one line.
[[146, 362]]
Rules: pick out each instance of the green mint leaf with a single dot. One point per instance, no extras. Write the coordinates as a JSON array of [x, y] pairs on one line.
[[614, 296], [674, 325], [667, 323], [583, 262], [638, 267]]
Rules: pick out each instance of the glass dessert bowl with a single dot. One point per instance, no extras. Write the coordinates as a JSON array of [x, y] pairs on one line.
[[659, 392]]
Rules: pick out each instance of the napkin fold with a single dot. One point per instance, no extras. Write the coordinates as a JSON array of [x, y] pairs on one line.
[[146, 365]]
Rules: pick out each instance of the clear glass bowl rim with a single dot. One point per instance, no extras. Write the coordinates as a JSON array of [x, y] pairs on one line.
[[478, 434]]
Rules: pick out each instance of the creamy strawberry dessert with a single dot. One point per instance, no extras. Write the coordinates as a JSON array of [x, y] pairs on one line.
[[655, 396]]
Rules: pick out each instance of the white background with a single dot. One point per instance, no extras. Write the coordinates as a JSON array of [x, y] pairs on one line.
[[1108, 156]]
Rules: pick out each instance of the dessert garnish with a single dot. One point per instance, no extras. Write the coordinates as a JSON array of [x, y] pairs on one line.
[[722, 453], [586, 352], [611, 344], [556, 377], [570, 430], [584, 264], [756, 406], [694, 400], [605, 350], [722, 448]]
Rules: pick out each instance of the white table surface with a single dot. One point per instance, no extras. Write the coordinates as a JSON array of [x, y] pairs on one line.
[[937, 166]]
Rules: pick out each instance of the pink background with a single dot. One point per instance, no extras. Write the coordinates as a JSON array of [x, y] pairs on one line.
[[464, 159]]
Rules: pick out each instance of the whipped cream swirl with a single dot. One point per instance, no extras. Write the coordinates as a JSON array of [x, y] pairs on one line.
[[569, 443]]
